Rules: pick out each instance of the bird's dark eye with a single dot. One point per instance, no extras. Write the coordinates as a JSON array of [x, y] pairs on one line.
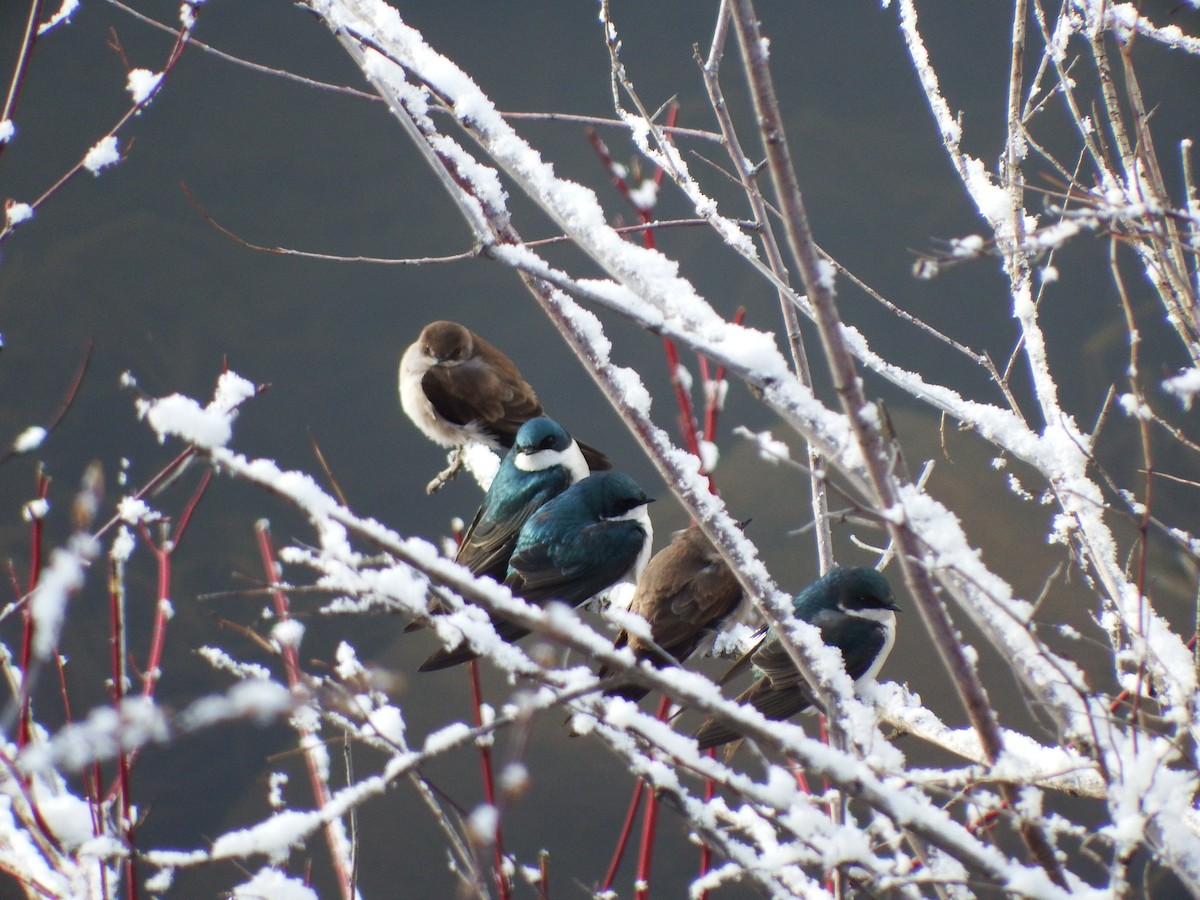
[[547, 443]]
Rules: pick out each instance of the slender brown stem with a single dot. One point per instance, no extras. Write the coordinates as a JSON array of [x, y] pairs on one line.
[[961, 672], [22, 66]]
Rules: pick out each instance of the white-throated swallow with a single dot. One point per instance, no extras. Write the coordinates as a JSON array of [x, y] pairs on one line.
[[458, 388], [543, 462], [686, 594], [594, 534], [856, 613]]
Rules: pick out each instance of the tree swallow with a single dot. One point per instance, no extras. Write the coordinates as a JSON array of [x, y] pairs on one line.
[[595, 533], [856, 612], [686, 594], [544, 461], [458, 388]]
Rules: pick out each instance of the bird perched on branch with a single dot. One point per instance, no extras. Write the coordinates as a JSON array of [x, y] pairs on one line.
[[594, 534], [856, 613], [686, 594], [543, 462], [458, 388]]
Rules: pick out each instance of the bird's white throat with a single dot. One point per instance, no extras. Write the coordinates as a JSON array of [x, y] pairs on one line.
[[571, 459]]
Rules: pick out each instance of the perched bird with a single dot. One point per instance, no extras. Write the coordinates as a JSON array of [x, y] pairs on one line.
[[458, 388], [543, 462], [856, 612], [595, 533], [685, 594]]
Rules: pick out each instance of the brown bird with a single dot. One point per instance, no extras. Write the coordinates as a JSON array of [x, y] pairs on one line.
[[686, 594], [458, 388]]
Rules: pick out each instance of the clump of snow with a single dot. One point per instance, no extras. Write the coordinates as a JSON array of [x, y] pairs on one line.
[[276, 783], [35, 509], [208, 427], [966, 247], [1185, 386], [29, 439], [104, 733], [142, 83], [514, 779], [482, 462], [123, 544], [288, 633], [388, 723], [1134, 406], [63, 15], [16, 213], [348, 666], [103, 154], [258, 700], [133, 510], [645, 196], [62, 578], [482, 824], [69, 817], [826, 274], [268, 882], [769, 448], [160, 882]]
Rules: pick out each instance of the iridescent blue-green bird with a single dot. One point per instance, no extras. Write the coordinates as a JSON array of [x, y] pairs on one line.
[[595, 533], [544, 461], [856, 613]]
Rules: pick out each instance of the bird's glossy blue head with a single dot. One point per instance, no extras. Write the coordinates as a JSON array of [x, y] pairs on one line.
[[611, 495], [847, 589], [600, 496], [541, 433], [541, 444]]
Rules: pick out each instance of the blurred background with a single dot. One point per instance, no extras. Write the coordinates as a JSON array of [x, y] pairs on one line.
[[124, 263]]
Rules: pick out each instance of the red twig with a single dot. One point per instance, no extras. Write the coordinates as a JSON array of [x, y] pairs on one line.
[[623, 840], [641, 889], [186, 516], [24, 730], [162, 606], [489, 784], [291, 663], [713, 401], [643, 205], [710, 790]]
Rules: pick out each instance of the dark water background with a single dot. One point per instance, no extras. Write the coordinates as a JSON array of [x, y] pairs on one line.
[[125, 262]]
